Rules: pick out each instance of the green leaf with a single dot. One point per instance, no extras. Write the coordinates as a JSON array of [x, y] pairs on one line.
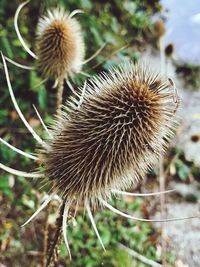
[[42, 98], [182, 169], [5, 186], [7, 47], [86, 4]]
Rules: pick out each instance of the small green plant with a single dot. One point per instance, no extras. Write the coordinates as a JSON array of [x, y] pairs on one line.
[[190, 74]]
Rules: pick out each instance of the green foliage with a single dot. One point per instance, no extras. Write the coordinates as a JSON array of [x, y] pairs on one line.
[[183, 170], [190, 74], [113, 230], [171, 257], [6, 188]]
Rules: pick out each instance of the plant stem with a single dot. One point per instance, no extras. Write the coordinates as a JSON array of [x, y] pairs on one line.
[[59, 96], [54, 244], [45, 239]]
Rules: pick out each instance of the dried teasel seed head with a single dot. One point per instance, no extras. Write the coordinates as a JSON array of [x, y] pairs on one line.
[[113, 138], [59, 45], [159, 28]]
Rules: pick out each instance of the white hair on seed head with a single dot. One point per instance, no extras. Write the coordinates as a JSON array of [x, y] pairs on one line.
[[60, 46], [123, 124]]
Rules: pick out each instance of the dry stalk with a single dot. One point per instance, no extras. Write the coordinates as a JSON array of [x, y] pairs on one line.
[[53, 246], [45, 238]]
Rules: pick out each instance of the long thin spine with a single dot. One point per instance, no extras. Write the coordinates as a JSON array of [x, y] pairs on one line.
[[64, 226], [141, 194], [39, 83], [145, 220], [76, 11], [18, 32], [18, 150], [20, 173], [82, 94], [72, 88], [18, 64], [94, 225], [95, 54], [44, 204], [42, 122], [36, 136]]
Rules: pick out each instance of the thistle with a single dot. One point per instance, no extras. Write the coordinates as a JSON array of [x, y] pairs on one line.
[[113, 138], [103, 142], [60, 46]]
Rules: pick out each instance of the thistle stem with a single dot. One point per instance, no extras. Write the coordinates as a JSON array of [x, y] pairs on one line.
[[45, 238], [57, 235], [60, 89]]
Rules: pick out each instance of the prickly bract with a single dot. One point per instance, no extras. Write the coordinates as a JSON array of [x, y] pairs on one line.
[[113, 138]]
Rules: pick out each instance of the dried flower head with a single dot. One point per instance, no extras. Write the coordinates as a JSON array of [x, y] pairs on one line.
[[60, 48], [60, 45], [104, 142], [119, 131]]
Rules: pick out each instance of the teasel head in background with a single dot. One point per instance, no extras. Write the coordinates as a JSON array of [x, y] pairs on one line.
[[59, 45], [60, 48], [104, 142]]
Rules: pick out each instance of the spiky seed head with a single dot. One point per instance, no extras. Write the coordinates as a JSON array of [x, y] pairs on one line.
[[120, 130], [59, 45]]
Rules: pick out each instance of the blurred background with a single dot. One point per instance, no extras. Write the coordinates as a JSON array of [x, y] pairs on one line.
[[132, 30]]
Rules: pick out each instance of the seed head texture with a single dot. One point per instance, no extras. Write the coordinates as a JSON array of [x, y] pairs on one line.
[[114, 137], [60, 45]]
